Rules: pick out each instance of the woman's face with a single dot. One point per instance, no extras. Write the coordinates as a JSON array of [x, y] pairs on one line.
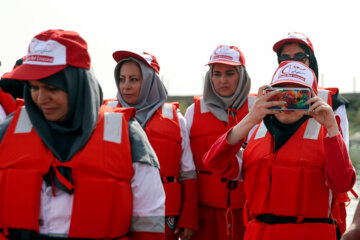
[[52, 101], [130, 82], [225, 79], [293, 49]]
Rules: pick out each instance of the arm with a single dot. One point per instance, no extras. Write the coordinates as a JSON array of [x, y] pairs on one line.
[[344, 124], [188, 221], [148, 221], [339, 172], [222, 158]]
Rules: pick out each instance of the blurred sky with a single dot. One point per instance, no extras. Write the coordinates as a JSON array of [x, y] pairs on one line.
[[182, 35]]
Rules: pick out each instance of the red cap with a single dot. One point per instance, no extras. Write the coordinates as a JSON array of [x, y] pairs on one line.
[[295, 72], [50, 52], [229, 55], [293, 37], [147, 58]]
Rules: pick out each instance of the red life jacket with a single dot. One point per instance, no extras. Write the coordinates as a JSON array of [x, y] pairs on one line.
[[205, 130], [164, 134], [288, 186], [101, 174]]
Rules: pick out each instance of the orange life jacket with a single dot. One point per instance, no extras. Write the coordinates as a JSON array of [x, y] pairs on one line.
[[101, 174], [278, 184], [164, 134], [205, 130]]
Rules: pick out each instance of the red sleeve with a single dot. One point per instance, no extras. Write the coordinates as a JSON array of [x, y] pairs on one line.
[[189, 214], [221, 158], [146, 235], [339, 171]]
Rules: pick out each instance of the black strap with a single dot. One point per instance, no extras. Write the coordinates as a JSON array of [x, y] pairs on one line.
[[21, 234], [274, 219]]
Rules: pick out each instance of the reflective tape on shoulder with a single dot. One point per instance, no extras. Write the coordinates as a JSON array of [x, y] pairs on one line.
[[203, 107], [323, 94], [112, 103], [312, 129], [261, 132], [167, 110], [24, 124], [113, 127]]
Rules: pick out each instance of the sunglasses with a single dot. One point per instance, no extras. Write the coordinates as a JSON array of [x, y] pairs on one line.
[[299, 57]]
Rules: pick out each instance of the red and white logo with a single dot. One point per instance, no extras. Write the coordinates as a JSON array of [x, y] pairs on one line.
[[225, 53], [294, 72], [47, 53]]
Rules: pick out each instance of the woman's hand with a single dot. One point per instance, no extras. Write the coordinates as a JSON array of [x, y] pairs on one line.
[[262, 105], [258, 111], [323, 113], [184, 233]]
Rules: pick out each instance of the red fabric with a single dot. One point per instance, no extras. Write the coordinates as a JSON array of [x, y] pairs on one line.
[[146, 235], [189, 213], [7, 102], [217, 158], [339, 171], [2, 237], [212, 224]]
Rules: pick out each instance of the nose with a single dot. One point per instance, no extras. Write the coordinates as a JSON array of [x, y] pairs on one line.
[[43, 96]]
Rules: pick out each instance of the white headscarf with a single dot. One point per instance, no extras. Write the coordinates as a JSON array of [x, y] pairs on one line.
[[152, 93], [219, 105]]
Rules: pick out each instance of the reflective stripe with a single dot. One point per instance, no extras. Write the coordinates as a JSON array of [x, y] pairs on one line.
[[323, 94], [251, 100], [112, 103], [203, 108], [112, 127], [187, 175], [148, 224], [167, 110], [312, 129], [261, 132], [24, 124]]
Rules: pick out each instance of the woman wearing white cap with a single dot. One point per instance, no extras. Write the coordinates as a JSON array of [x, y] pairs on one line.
[[293, 166], [71, 168], [298, 47], [139, 86], [224, 104]]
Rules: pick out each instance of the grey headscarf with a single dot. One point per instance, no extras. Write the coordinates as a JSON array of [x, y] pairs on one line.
[[67, 137], [219, 105], [152, 93]]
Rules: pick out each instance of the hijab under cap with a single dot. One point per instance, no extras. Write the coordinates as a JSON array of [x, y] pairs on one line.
[[219, 105], [67, 137], [152, 93]]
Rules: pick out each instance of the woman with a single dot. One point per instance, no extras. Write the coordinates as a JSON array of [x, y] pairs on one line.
[[297, 46], [139, 86], [294, 165], [224, 104], [68, 169]]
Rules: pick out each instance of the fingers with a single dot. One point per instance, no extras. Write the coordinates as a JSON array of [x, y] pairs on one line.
[[261, 89]]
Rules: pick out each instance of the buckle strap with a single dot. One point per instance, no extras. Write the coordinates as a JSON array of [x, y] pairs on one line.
[[274, 219]]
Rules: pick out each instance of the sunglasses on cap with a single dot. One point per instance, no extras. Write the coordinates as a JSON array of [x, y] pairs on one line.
[[299, 57]]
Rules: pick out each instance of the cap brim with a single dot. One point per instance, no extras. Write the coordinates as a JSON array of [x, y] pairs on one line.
[[225, 62], [278, 45], [32, 72], [119, 55], [290, 81]]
